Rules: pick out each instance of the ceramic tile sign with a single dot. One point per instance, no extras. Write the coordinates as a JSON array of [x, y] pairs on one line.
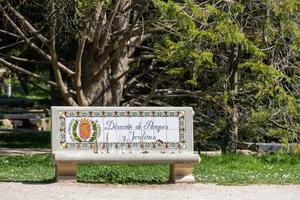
[[118, 129], [116, 135]]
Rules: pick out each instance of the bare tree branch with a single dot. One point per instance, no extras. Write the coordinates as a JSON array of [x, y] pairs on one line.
[[24, 71], [152, 92], [61, 85], [108, 24], [119, 44], [79, 90], [9, 33], [24, 59], [32, 45], [283, 127], [28, 25], [142, 57], [14, 44]]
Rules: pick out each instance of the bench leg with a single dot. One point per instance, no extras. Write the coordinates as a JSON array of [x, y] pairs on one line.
[[181, 173], [65, 171]]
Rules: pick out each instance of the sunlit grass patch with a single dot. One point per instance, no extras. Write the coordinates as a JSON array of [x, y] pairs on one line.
[[225, 169], [26, 168], [239, 169]]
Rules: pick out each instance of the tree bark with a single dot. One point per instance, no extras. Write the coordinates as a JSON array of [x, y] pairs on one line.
[[100, 73], [232, 120]]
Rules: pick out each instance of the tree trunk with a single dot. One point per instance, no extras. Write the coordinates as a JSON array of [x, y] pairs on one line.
[[232, 121], [103, 89]]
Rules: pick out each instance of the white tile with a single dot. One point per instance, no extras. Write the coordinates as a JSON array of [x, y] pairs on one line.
[[135, 136], [99, 123], [123, 123], [109, 123], [147, 122], [161, 135], [110, 136], [172, 135], [148, 136], [160, 128], [135, 122], [173, 123], [101, 137], [130, 135], [161, 121], [122, 135], [68, 128]]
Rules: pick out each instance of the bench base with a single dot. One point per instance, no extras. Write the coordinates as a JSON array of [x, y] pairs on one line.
[[179, 173], [65, 171]]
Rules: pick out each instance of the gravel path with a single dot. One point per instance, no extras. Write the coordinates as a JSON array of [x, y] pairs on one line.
[[69, 190]]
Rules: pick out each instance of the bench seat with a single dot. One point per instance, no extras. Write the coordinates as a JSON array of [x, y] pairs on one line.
[[90, 156]]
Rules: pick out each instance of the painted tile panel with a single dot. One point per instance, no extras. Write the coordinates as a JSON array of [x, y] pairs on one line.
[[122, 129]]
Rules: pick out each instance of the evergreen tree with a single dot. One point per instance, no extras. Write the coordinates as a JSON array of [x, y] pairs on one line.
[[244, 58]]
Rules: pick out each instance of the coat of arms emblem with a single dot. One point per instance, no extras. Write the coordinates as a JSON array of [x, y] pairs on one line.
[[84, 130]]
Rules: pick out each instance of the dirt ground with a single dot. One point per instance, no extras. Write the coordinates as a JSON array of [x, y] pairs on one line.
[[83, 191]]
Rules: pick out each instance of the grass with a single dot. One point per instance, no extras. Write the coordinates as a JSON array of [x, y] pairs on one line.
[[240, 169], [125, 174], [226, 169], [26, 168]]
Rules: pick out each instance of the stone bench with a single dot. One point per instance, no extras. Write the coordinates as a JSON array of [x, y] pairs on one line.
[[113, 135]]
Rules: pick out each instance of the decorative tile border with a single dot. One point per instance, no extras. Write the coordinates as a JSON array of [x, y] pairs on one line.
[[117, 146], [122, 114]]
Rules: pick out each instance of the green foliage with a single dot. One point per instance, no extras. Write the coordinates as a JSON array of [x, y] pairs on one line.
[[225, 169], [206, 40], [260, 115], [83, 5], [175, 71]]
